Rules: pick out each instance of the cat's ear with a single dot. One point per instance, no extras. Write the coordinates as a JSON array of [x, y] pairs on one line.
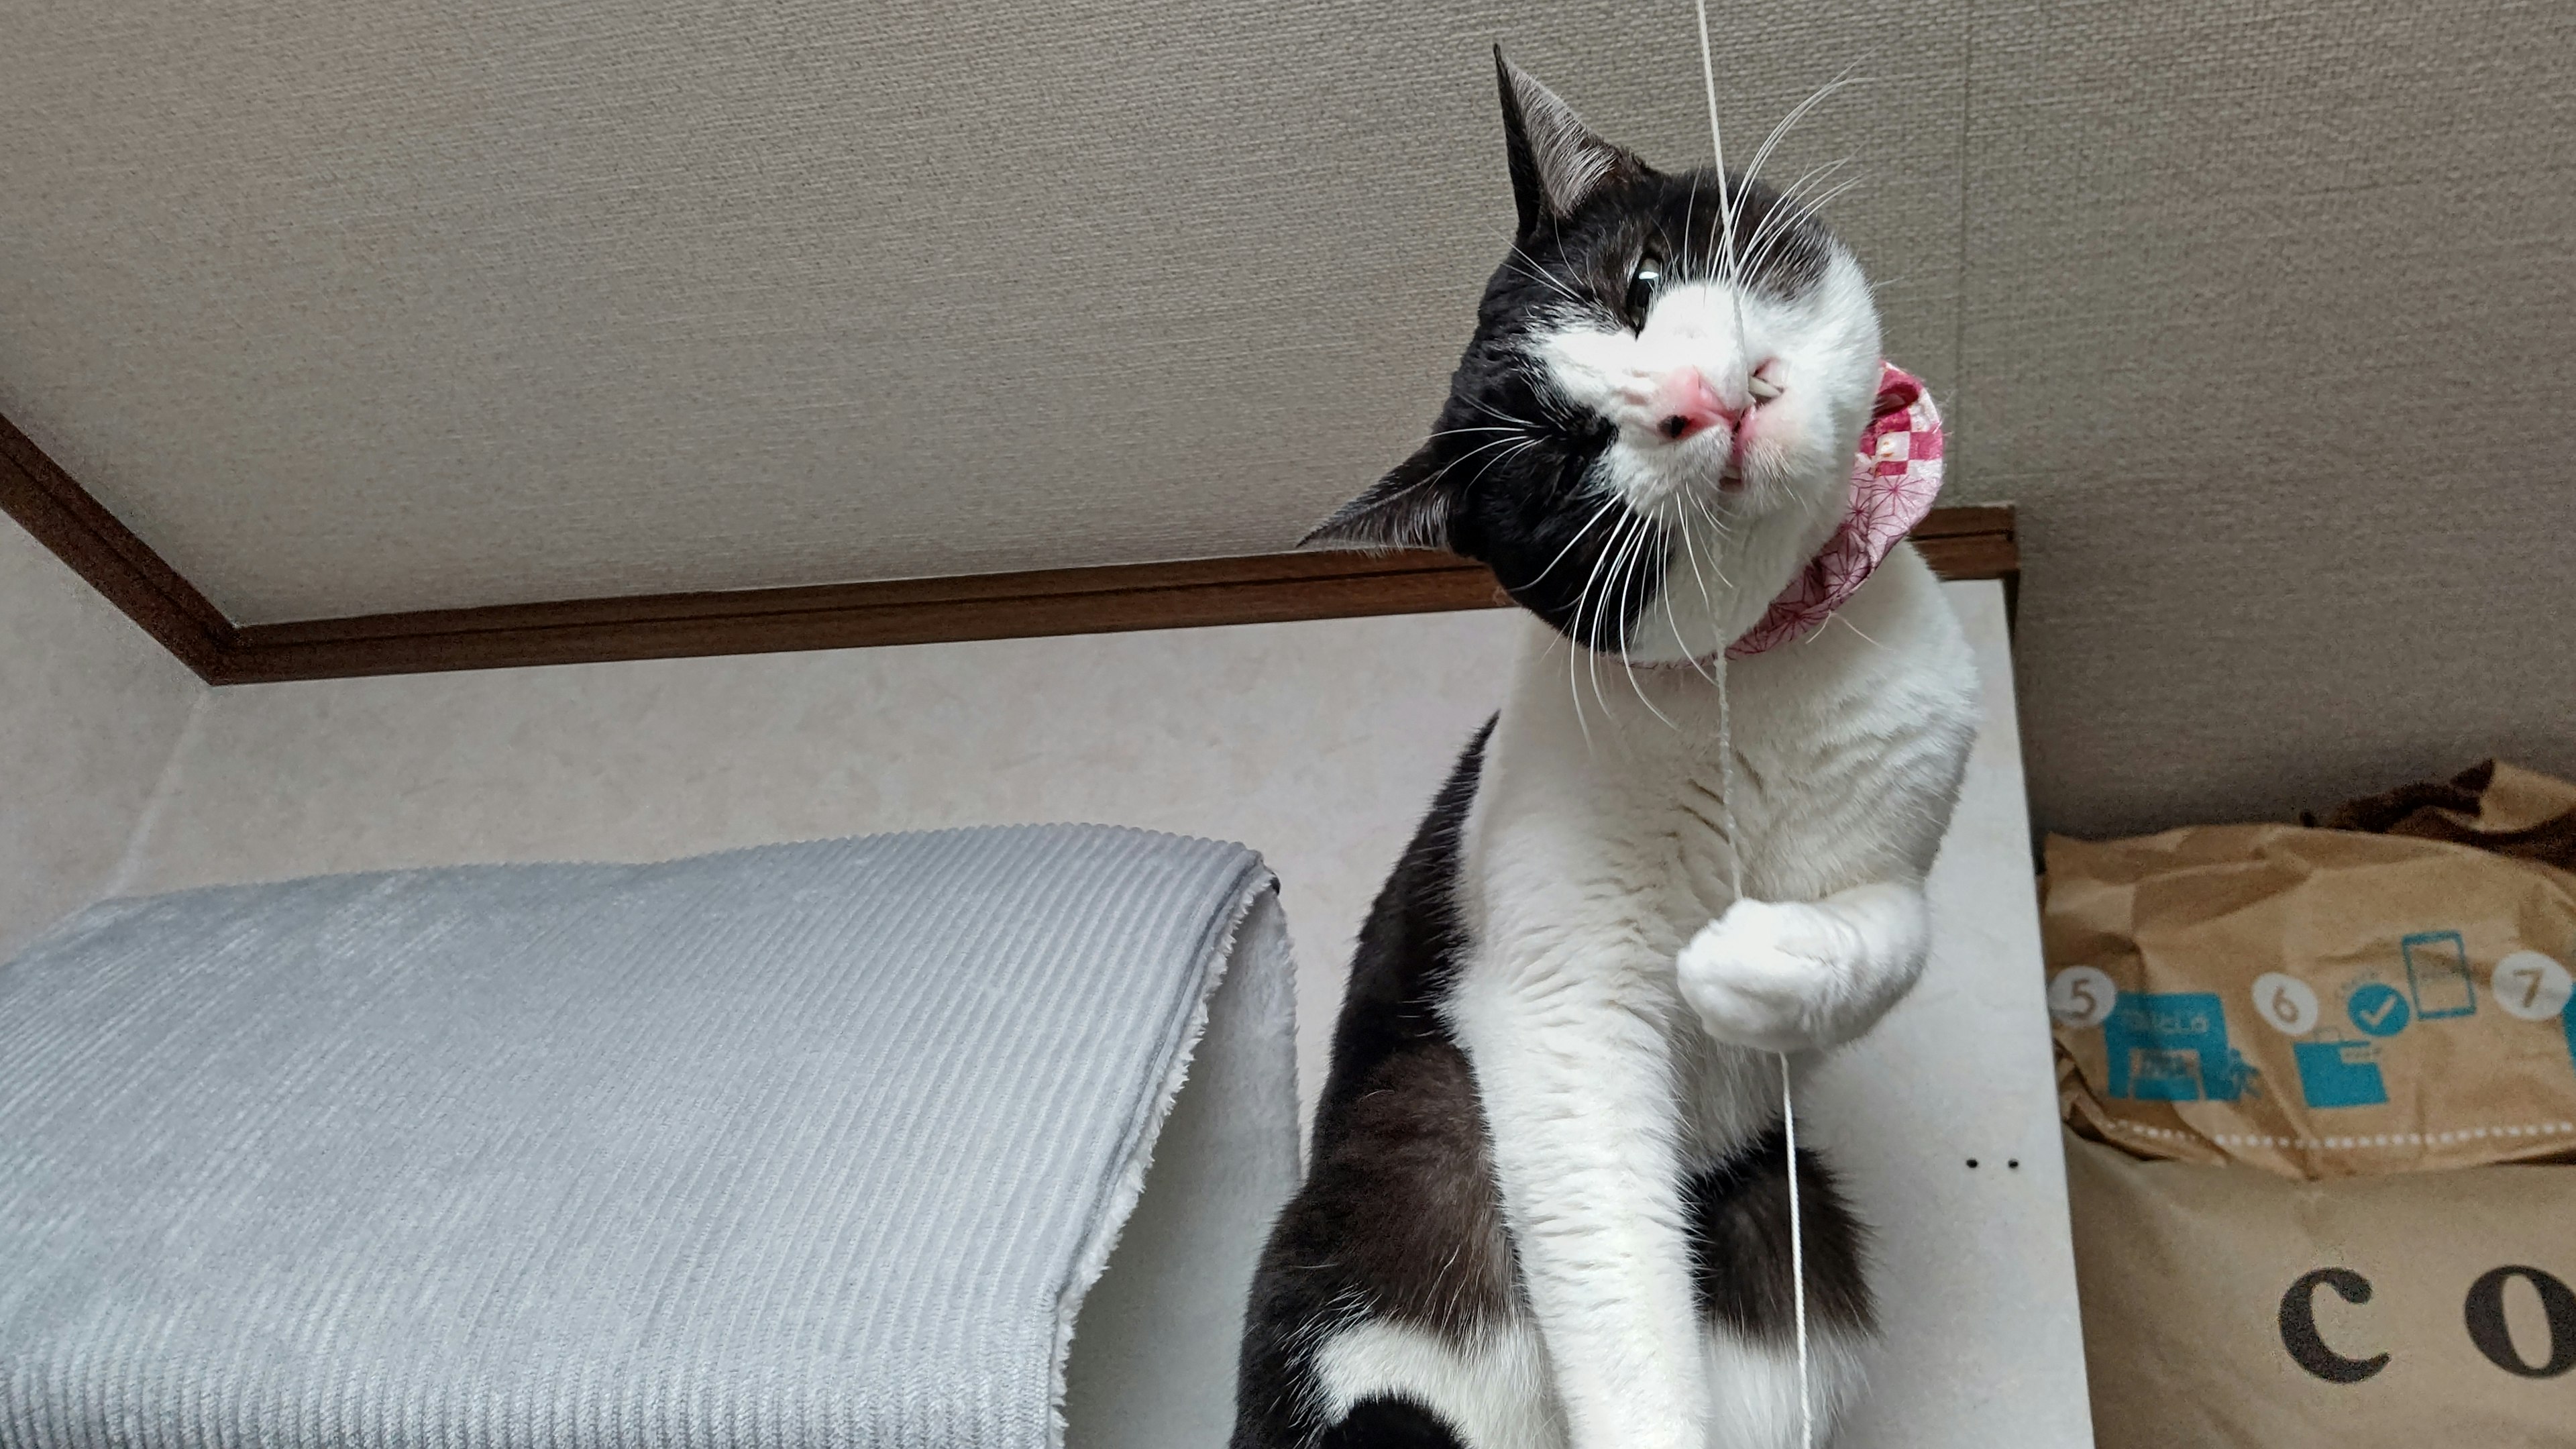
[[1555, 159], [1404, 509]]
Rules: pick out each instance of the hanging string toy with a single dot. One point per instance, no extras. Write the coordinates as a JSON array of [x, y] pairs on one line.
[[1894, 480]]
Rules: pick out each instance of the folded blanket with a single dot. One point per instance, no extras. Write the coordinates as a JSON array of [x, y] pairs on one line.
[[803, 1145]]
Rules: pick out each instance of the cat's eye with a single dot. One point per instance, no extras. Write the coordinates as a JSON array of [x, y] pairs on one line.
[[1643, 283]]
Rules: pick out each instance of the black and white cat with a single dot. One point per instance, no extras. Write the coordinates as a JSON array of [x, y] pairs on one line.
[[1546, 1197]]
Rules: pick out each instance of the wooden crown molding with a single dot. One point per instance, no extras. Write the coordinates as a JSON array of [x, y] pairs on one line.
[[1959, 543], [62, 516]]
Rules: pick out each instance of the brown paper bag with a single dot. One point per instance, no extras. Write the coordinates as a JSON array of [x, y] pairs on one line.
[[2226, 1307], [2317, 1003]]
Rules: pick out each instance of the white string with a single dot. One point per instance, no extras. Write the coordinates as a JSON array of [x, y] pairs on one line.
[[1797, 1258], [1726, 798], [1788, 1105]]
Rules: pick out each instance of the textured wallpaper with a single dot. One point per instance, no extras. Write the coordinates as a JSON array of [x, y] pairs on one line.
[[2256, 309], [90, 712]]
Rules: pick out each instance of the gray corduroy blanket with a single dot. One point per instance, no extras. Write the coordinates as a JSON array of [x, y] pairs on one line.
[[804, 1145]]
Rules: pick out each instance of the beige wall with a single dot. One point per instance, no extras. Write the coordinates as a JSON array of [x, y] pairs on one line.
[[90, 709], [2267, 310]]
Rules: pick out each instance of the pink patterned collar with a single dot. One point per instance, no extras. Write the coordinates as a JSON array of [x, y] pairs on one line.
[[1893, 483]]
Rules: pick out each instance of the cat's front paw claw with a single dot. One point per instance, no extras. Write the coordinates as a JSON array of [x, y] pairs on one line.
[[1757, 976]]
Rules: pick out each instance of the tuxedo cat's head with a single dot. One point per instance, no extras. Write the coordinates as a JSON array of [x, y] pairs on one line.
[[1647, 435]]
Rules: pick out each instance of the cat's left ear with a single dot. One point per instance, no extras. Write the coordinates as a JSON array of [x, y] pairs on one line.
[[1404, 509], [1556, 161]]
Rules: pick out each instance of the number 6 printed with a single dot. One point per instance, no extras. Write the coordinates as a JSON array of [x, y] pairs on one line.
[[2285, 1003]]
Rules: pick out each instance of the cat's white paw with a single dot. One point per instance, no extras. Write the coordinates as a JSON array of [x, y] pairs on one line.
[[1765, 975]]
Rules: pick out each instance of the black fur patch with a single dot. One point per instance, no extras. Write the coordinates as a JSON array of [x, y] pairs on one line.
[[1739, 1216], [1390, 1424]]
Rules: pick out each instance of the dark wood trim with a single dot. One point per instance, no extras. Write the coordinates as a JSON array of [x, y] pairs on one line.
[[1265, 589], [62, 516], [1960, 543]]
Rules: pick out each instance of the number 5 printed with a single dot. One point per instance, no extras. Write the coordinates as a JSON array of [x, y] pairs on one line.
[[2081, 996]]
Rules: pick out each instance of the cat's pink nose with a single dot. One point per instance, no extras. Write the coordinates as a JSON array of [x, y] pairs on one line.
[[1684, 405]]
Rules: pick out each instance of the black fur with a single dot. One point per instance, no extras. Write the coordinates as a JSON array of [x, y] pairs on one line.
[[1739, 1213], [1390, 1424]]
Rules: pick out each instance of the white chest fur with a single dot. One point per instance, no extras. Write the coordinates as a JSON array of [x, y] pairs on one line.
[[1599, 820]]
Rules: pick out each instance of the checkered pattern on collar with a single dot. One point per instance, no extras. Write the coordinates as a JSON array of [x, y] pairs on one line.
[[1894, 481]]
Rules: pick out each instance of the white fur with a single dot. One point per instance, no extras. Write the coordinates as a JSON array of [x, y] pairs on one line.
[[1494, 1390], [1497, 1391], [1618, 1002]]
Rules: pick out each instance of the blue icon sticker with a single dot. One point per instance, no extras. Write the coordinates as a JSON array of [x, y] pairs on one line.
[[2437, 968], [2379, 1010], [2172, 1047], [2567, 1024], [2339, 1074]]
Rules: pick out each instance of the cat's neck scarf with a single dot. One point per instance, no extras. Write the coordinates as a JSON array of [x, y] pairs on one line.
[[1894, 481]]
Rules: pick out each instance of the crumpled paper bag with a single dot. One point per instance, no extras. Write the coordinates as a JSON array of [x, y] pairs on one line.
[[2317, 1003]]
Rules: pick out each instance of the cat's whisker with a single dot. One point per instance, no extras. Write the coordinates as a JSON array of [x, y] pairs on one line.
[[1618, 590], [1544, 277], [1723, 534], [1672, 620], [1513, 451], [1597, 515], [1763, 152], [1598, 603], [1618, 542], [1642, 555], [1472, 452], [1708, 605], [1808, 211], [1788, 208], [1788, 198], [1486, 409], [1788, 215], [1836, 617], [1574, 631]]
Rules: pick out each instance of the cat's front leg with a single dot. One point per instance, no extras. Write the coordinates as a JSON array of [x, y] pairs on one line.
[[1574, 1068], [1800, 975]]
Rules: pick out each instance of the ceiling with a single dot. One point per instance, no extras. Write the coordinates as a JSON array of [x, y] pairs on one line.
[[2258, 310]]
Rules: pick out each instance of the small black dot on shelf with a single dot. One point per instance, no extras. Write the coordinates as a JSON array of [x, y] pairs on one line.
[[2015, 1163], [1972, 1162]]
